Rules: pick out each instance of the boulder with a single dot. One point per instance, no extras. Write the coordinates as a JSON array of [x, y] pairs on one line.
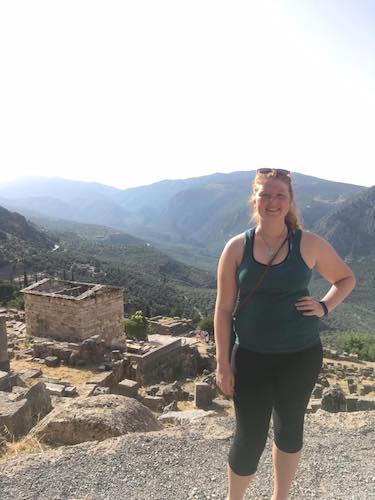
[[95, 419]]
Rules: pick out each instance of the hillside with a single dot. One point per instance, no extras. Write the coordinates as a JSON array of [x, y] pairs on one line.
[[350, 227], [20, 239], [153, 282]]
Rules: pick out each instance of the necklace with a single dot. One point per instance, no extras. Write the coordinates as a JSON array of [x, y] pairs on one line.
[[271, 250]]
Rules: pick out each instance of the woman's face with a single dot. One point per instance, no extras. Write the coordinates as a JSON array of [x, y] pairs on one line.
[[272, 200]]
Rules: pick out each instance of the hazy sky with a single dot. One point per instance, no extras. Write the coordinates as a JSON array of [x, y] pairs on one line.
[[131, 92]]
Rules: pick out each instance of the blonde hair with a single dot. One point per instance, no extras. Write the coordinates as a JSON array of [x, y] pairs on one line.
[[292, 218]]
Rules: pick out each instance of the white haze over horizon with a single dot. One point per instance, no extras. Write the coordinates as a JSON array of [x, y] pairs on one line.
[[129, 93]]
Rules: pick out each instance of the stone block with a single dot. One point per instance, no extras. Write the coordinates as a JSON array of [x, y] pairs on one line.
[[70, 391], [55, 389], [315, 404], [52, 361], [31, 373], [104, 379], [317, 391], [40, 401], [15, 379], [155, 403], [367, 403], [352, 388], [15, 418], [351, 403], [128, 388], [202, 395], [99, 391]]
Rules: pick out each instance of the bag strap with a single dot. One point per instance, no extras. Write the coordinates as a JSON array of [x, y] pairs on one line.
[[262, 275]]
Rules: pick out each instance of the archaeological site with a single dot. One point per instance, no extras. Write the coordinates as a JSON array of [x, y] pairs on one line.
[[68, 351]]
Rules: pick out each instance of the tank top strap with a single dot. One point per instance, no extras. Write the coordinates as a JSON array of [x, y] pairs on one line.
[[295, 242], [248, 243]]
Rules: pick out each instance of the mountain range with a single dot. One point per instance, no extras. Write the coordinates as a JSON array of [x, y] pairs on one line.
[[190, 221]]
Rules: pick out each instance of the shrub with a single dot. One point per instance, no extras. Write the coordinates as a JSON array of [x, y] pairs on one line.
[[207, 324], [136, 327], [362, 344]]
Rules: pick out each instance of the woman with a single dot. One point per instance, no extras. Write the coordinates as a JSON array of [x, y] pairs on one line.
[[278, 353]]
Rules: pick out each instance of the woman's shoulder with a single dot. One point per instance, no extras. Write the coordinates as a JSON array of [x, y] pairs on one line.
[[238, 240], [310, 237], [313, 245], [234, 248]]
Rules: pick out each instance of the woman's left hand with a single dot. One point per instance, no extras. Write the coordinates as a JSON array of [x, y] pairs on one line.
[[309, 307]]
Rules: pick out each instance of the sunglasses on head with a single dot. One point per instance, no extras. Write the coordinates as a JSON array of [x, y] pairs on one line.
[[279, 171]]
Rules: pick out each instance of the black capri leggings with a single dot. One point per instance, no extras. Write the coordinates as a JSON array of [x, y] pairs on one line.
[[265, 384]]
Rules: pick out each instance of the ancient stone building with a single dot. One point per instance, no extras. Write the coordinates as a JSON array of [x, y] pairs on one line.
[[68, 310]]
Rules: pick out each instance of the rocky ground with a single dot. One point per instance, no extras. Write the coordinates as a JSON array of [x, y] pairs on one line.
[[188, 462]]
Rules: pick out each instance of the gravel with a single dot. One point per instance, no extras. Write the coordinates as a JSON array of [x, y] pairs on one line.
[[188, 462]]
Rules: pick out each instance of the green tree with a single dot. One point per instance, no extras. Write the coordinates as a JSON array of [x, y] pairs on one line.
[[362, 344], [136, 327], [207, 324]]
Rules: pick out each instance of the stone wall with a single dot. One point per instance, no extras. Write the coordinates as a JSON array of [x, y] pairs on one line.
[[167, 363], [4, 360], [75, 318]]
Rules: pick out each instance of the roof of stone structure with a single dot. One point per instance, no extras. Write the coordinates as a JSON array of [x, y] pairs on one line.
[[72, 290]]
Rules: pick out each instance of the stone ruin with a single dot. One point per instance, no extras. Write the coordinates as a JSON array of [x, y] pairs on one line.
[[161, 325], [72, 311], [158, 373], [124, 372]]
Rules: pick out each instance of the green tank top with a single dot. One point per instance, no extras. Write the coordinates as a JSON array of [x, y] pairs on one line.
[[269, 322]]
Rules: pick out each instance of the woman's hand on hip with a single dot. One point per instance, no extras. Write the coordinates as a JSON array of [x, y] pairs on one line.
[[309, 307], [225, 379]]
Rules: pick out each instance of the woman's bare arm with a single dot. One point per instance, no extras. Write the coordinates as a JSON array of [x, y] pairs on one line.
[[225, 303], [332, 267]]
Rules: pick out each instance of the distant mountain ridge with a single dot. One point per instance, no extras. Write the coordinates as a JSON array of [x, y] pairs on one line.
[[179, 216], [54, 187]]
